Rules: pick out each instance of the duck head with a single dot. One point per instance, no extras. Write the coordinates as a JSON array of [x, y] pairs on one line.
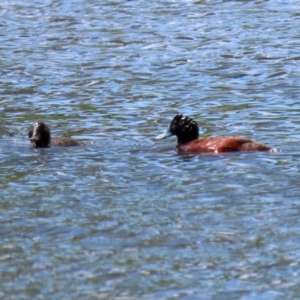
[[39, 135], [185, 128]]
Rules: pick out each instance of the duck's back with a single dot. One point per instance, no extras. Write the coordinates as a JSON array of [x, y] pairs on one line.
[[221, 144], [65, 141]]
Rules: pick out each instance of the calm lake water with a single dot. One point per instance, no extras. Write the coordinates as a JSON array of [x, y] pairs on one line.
[[127, 217]]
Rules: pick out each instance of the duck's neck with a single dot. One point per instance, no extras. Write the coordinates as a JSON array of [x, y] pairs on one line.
[[187, 138], [44, 141], [42, 144]]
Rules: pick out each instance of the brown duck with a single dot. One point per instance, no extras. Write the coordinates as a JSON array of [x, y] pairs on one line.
[[40, 137]]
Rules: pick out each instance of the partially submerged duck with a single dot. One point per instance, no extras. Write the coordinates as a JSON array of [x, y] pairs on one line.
[[187, 132], [40, 137]]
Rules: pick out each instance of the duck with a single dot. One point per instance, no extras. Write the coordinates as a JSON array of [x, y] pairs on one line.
[[188, 141], [40, 137]]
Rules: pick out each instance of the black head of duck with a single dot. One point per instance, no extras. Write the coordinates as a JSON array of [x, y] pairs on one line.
[[185, 129]]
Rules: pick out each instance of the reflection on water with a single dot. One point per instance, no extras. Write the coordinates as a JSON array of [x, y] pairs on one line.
[[126, 217]]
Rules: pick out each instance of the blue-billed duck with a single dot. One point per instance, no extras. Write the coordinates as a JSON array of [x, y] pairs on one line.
[[187, 132]]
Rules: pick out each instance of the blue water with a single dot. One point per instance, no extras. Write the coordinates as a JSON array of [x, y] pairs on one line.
[[127, 217]]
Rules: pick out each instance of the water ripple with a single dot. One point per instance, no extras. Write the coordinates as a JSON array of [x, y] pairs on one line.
[[127, 217]]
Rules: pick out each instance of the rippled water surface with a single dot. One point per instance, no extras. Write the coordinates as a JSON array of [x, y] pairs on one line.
[[127, 217]]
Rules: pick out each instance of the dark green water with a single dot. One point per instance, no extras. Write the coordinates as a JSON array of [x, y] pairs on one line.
[[126, 217]]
